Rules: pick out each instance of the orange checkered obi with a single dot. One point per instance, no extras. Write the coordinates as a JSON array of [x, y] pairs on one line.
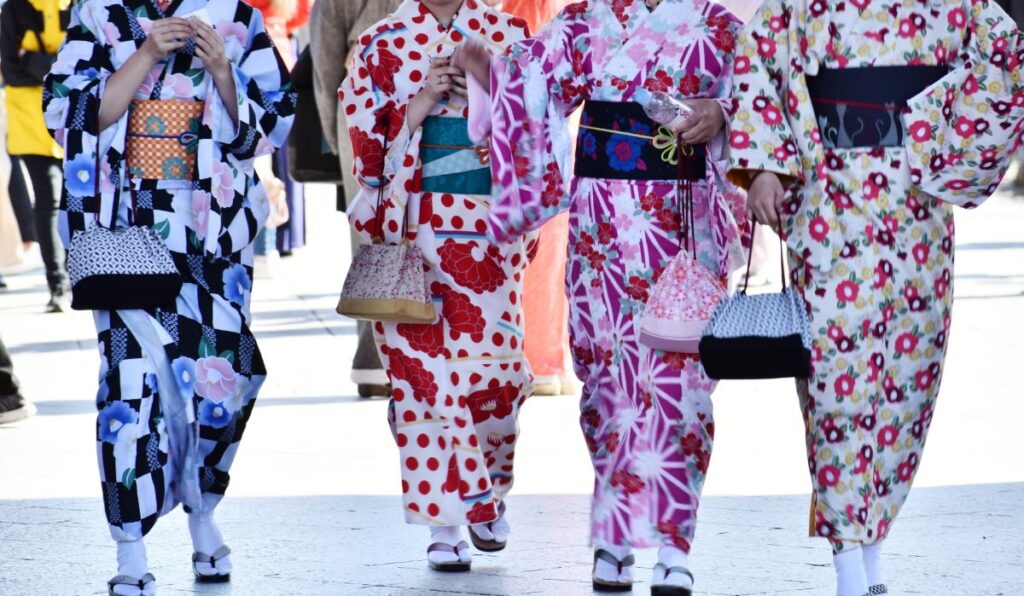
[[163, 136]]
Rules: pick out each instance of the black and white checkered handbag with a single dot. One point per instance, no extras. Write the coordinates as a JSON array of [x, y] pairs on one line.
[[120, 268], [763, 336]]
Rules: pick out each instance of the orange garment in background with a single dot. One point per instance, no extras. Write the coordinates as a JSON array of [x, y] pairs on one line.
[[535, 12], [282, 18], [545, 307]]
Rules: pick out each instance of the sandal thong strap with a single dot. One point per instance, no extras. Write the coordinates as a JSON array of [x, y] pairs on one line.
[[611, 559], [441, 547], [878, 589], [667, 571], [127, 580], [219, 554]]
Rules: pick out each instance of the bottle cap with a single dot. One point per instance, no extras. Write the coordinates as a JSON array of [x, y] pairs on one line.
[[642, 95]]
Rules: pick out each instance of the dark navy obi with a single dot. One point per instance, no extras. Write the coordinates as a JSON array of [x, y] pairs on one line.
[[863, 107], [617, 140]]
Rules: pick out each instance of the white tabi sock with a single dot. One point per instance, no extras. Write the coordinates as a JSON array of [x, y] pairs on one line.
[[609, 572], [131, 559], [498, 530], [450, 535], [873, 563], [206, 537], [850, 575], [670, 557]]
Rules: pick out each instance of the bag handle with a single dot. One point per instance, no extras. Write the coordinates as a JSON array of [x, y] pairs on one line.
[[750, 255], [378, 214], [684, 196]]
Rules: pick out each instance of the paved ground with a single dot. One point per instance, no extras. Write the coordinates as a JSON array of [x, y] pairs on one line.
[[313, 507]]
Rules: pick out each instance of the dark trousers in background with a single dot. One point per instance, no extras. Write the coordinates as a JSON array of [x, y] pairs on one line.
[[45, 177], [21, 201], [8, 382]]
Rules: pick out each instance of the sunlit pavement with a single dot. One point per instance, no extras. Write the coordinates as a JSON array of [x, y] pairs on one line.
[[313, 507]]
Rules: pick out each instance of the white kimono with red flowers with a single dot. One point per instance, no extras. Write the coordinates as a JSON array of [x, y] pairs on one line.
[[870, 230], [458, 383]]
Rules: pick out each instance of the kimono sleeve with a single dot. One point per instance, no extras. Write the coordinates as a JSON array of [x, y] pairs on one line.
[[264, 95], [964, 130], [535, 86], [376, 122], [72, 93], [760, 136]]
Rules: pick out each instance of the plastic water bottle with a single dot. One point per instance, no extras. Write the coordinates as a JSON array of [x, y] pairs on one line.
[[663, 108]]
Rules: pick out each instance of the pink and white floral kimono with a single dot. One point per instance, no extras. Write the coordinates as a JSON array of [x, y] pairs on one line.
[[458, 383], [870, 230], [646, 415]]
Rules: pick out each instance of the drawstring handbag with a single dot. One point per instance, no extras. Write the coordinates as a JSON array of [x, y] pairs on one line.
[[387, 282], [687, 292], [764, 336], [120, 268]]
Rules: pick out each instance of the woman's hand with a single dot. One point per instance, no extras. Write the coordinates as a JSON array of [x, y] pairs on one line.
[[440, 79], [473, 58], [440, 82], [706, 121], [764, 199], [210, 49], [166, 36]]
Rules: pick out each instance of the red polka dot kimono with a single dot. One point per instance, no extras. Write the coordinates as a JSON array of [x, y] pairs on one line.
[[458, 383], [871, 230]]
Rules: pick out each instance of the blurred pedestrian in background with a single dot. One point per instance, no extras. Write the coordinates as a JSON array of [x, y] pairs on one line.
[[177, 384], [335, 25], [287, 222], [31, 31], [545, 305], [13, 407]]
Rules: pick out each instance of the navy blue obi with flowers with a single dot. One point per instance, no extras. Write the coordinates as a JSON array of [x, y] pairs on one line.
[[863, 107], [451, 163], [619, 141]]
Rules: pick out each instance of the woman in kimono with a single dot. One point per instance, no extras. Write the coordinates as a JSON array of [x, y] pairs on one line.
[[457, 384], [861, 125], [646, 414], [176, 386]]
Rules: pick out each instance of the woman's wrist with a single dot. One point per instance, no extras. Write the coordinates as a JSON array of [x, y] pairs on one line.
[[222, 71]]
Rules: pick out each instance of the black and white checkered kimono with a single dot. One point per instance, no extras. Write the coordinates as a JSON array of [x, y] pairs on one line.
[[176, 387]]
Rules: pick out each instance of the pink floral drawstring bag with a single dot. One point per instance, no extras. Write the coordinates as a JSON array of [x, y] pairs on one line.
[[685, 295]]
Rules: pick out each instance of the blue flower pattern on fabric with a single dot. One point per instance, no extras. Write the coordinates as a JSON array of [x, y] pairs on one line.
[[80, 176], [113, 418], [214, 414], [624, 152], [175, 168], [237, 284], [155, 125], [589, 145], [185, 372]]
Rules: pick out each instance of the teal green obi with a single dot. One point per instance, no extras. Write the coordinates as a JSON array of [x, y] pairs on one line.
[[451, 163]]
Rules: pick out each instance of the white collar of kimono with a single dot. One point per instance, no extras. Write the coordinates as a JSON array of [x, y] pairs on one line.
[[415, 16], [412, 9], [643, 32]]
